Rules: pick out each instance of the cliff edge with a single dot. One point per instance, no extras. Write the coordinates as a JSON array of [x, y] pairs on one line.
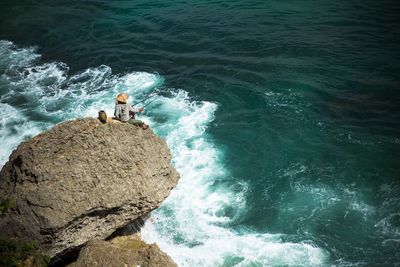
[[83, 180]]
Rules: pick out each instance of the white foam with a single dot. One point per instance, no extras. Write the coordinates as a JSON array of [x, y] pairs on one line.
[[222, 247], [192, 226], [141, 82], [14, 128], [12, 57]]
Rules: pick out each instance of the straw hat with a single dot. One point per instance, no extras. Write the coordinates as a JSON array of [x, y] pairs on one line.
[[122, 97]]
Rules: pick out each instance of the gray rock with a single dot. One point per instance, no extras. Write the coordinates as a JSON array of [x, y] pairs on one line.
[[122, 252], [82, 180]]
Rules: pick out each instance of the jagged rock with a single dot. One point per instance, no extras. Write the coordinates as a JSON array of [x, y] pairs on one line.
[[122, 251], [82, 180]]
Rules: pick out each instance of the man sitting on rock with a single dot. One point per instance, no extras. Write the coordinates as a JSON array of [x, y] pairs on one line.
[[124, 112]]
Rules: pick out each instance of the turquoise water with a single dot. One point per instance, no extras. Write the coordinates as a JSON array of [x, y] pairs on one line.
[[282, 117]]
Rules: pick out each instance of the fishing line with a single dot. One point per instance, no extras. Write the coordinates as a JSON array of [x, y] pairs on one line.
[[140, 102], [151, 101], [154, 94]]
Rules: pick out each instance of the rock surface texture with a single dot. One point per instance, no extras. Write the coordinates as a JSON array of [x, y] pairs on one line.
[[122, 251], [82, 180]]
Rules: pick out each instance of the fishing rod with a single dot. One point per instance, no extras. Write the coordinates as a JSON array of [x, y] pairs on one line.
[[153, 95], [140, 102], [154, 99], [145, 100], [133, 114]]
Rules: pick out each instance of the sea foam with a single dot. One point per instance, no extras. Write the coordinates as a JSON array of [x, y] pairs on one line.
[[192, 225]]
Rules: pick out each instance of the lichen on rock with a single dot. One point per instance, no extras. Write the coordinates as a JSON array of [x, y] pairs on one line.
[[82, 180]]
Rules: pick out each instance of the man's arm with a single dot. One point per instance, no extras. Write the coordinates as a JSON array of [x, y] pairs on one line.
[[135, 110]]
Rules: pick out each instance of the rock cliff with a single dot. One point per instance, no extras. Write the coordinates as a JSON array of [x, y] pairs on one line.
[[83, 180]]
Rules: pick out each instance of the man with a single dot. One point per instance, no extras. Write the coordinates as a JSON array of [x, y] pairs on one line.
[[124, 111]]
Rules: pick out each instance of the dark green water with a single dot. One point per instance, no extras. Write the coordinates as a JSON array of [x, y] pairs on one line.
[[307, 124]]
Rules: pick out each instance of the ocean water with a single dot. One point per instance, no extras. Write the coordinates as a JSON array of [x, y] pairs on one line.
[[283, 117]]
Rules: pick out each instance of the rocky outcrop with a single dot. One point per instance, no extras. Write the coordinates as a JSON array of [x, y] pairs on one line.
[[122, 251], [83, 180]]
